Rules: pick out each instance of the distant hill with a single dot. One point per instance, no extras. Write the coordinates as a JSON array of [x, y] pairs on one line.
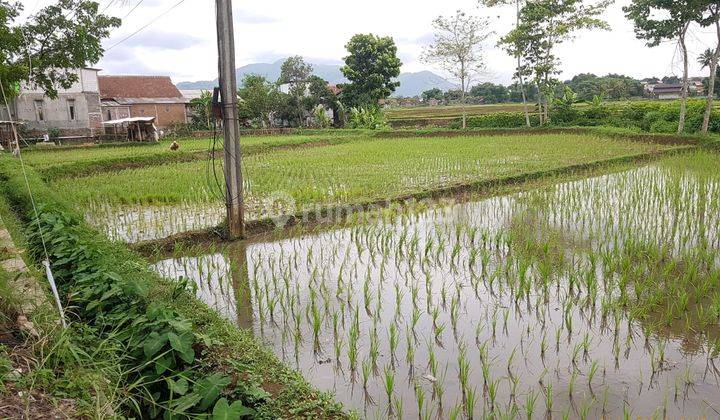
[[411, 84]]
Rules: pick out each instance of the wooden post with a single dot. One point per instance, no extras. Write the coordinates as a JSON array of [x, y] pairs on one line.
[[231, 124]]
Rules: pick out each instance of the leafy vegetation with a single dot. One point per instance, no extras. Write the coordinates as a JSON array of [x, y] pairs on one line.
[[56, 39], [648, 116], [371, 66]]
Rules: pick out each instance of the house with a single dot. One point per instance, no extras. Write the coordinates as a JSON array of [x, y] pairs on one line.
[[75, 112], [142, 96], [666, 91]]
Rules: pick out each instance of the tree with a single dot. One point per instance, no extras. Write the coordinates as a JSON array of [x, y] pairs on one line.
[[545, 24], [371, 66], [433, 93], [518, 70], [710, 59], [516, 93], [296, 73], [490, 93], [295, 70], [320, 95], [658, 20], [260, 99], [457, 48], [202, 110], [50, 44]]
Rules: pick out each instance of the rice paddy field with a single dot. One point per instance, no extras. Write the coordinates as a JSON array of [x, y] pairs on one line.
[[575, 294], [450, 111], [157, 200], [596, 297]]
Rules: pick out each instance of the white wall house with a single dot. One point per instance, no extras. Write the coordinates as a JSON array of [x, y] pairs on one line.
[[76, 111]]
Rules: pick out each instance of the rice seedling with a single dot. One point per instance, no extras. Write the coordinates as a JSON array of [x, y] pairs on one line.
[[530, 401], [419, 397], [548, 398], [389, 382], [366, 372], [471, 399]]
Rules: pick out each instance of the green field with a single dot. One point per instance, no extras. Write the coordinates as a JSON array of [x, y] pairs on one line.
[[362, 170], [80, 161], [449, 112]]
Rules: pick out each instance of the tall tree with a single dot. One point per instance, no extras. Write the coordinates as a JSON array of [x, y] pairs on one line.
[[518, 70], [658, 20], [260, 99], [371, 67], [458, 48], [50, 44], [709, 58], [545, 24], [295, 72]]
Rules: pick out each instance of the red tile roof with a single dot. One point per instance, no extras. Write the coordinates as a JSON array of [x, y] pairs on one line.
[[137, 87]]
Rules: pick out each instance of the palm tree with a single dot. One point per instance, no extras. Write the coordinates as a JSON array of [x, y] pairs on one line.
[[705, 59]]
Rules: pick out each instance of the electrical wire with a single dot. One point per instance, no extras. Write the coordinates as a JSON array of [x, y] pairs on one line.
[[145, 26], [132, 10]]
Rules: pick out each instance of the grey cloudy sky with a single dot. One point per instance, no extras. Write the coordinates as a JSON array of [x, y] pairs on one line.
[[181, 43]]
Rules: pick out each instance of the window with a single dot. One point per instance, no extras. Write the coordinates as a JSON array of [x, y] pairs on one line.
[[109, 115], [39, 115], [71, 109]]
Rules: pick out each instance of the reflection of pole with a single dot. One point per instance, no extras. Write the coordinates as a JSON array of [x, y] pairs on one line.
[[241, 283]]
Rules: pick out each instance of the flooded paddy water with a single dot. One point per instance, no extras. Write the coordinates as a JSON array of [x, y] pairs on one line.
[[590, 298]]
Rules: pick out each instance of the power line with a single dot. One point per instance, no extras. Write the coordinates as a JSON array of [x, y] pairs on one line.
[[132, 10], [145, 26]]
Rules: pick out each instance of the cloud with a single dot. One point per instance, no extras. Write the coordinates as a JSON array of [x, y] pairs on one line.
[[243, 17], [160, 40], [124, 61]]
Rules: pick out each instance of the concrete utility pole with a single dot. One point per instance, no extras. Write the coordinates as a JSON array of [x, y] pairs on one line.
[[231, 124]]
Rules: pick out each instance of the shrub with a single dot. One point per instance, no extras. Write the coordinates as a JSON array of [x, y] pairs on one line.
[[372, 118], [496, 120]]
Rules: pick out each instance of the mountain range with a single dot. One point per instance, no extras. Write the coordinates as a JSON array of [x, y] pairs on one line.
[[411, 84]]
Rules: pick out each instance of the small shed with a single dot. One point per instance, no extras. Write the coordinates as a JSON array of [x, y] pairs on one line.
[[136, 128]]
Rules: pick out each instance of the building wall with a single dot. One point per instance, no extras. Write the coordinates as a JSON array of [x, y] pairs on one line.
[[165, 114], [83, 96], [85, 118], [115, 112]]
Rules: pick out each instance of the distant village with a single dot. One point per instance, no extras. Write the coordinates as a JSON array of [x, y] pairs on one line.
[[147, 107]]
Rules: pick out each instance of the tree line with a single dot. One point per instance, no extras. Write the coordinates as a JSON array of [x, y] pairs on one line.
[[541, 26], [300, 98]]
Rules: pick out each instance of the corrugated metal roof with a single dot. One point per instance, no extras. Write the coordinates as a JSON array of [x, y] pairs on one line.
[[129, 120]]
